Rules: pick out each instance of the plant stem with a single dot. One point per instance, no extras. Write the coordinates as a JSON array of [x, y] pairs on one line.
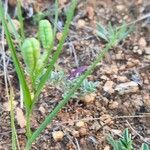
[[62, 103], [28, 125]]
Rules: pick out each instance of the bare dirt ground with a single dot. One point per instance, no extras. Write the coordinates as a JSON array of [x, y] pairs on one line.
[[123, 97]]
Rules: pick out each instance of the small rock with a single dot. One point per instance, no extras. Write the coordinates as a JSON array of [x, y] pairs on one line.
[[136, 61], [20, 117], [146, 99], [81, 23], [119, 56], [95, 126], [83, 131], [116, 131], [108, 87], [130, 64], [138, 51], [42, 110], [120, 7], [106, 119], [147, 57], [103, 77], [147, 50], [90, 12], [113, 69], [142, 42], [128, 87], [75, 133], [122, 78], [58, 135], [135, 48], [113, 105], [80, 124], [59, 36], [107, 147], [88, 99]]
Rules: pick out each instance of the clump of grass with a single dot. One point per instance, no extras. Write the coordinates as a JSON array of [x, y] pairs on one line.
[[125, 142], [39, 70]]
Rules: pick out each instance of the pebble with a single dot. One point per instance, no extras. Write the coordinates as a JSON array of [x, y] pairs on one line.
[[120, 7], [107, 147], [146, 99], [147, 57], [90, 98], [135, 47], [80, 23], [95, 126], [142, 42], [42, 110], [128, 87], [147, 50], [59, 36], [122, 78], [83, 131], [58, 135], [108, 87], [132, 62], [80, 124], [106, 119], [111, 69], [119, 56], [75, 133], [103, 77], [113, 105]]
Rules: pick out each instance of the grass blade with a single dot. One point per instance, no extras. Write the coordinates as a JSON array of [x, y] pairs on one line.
[[56, 17], [27, 96], [15, 33], [20, 17], [15, 142]]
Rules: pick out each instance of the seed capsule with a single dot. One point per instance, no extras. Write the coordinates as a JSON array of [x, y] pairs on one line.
[[31, 53], [45, 34]]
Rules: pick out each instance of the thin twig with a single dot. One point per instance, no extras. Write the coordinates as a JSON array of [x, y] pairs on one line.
[[92, 119], [141, 137]]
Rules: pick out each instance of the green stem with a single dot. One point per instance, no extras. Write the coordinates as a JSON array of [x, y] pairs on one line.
[[62, 103], [28, 125]]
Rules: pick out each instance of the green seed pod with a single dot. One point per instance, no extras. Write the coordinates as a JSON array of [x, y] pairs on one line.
[[31, 53], [46, 34]]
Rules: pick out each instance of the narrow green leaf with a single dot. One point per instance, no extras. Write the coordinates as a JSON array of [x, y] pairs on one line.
[[15, 33], [15, 142], [20, 17], [27, 96], [56, 17]]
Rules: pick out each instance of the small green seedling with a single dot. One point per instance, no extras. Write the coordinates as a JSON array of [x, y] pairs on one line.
[[111, 33], [89, 86], [125, 142]]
